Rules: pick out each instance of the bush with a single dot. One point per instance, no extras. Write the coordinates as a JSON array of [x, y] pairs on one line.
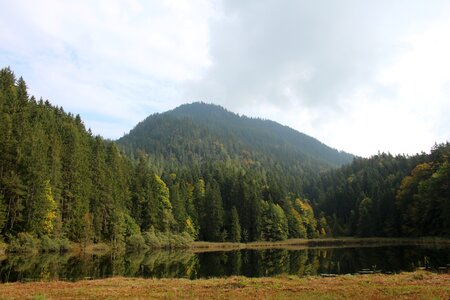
[[48, 244], [136, 242], [24, 243], [64, 244], [152, 240], [167, 240]]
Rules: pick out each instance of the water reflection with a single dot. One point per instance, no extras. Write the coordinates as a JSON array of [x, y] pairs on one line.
[[251, 263]]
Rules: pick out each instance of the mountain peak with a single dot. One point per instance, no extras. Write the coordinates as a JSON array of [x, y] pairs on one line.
[[200, 110], [196, 134]]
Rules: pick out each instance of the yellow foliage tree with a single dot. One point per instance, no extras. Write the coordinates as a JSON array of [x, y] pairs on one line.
[[50, 212]]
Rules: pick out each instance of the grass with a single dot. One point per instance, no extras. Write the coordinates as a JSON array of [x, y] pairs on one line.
[[291, 244], [376, 286], [324, 242]]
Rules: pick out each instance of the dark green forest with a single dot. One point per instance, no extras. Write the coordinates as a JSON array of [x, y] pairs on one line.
[[200, 172]]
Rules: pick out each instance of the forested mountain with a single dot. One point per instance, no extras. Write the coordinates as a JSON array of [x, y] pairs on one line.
[[200, 172], [388, 195], [368, 197], [194, 135], [198, 132]]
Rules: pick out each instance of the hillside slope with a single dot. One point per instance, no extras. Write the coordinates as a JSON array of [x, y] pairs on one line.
[[199, 131], [196, 133]]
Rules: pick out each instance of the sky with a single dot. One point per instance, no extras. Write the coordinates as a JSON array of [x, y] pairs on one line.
[[361, 76]]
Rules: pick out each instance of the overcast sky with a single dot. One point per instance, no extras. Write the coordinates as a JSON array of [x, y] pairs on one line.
[[361, 76]]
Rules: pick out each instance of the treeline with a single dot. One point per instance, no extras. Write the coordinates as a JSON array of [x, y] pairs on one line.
[[384, 195], [194, 135], [59, 181], [388, 195]]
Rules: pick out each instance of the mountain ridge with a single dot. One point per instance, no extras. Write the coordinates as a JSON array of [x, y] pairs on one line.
[[253, 132]]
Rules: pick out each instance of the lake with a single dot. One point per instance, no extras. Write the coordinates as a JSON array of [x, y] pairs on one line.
[[251, 263]]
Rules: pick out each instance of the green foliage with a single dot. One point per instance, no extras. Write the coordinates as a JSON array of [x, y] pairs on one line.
[[165, 240], [136, 242], [165, 216], [274, 223], [212, 228], [365, 225], [191, 229], [235, 227], [423, 196], [389, 196], [23, 243], [130, 226], [49, 244], [205, 174]]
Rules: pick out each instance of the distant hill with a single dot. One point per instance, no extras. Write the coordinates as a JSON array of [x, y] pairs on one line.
[[191, 129], [199, 133]]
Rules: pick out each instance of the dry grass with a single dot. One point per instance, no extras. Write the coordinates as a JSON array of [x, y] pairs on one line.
[[298, 244], [418, 285]]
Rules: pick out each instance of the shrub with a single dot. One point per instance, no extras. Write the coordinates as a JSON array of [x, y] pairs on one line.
[[167, 240], [152, 239], [48, 244], [24, 243], [136, 242], [64, 244]]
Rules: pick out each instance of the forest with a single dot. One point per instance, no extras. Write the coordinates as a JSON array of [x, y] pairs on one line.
[[181, 176]]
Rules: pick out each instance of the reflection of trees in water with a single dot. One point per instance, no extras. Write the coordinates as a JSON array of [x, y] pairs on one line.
[[20, 267], [55, 266], [234, 263], [252, 263], [213, 264], [305, 262], [169, 264], [274, 262]]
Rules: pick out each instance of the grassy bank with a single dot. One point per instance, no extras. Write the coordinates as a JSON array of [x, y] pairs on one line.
[[418, 285], [200, 246], [326, 242]]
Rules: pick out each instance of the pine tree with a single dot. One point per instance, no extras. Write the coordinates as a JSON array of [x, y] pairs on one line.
[[235, 227], [212, 228], [274, 223]]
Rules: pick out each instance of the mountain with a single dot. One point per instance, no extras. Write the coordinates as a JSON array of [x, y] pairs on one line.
[[184, 130], [197, 134]]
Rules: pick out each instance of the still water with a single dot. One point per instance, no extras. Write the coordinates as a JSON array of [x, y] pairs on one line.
[[251, 263]]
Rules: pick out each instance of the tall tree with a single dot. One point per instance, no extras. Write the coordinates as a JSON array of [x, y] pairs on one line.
[[234, 234]]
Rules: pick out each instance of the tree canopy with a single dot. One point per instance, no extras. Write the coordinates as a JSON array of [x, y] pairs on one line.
[[203, 171]]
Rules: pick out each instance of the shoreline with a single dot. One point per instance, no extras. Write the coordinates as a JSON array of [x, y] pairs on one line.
[[414, 285], [299, 244], [290, 244]]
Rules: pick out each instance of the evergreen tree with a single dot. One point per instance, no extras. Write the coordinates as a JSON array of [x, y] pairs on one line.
[[213, 226], [365, 221], [274, 223], [235, 228]]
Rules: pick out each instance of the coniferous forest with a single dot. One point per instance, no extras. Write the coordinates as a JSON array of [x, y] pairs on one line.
[[200, 172]]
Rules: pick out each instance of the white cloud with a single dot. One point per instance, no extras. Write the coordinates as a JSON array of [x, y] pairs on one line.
[[361, 76], [119, 60], [325, 69]]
